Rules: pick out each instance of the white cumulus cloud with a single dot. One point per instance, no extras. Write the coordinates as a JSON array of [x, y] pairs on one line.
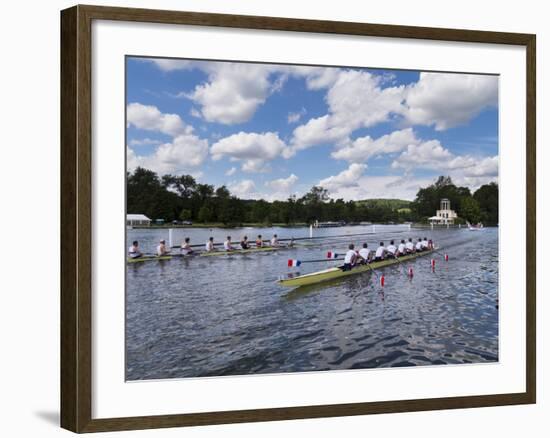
[[446, 100], [346, 178], [363, 148], [150, 118], [282, 184], [243, 189], [253, 149]]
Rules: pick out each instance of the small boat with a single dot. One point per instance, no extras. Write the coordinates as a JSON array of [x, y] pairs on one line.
[[476, 227], [241, 251], [148, 259], [337, 272]]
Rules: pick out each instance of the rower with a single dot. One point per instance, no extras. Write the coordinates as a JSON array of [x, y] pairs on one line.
[[274, 240], [350, 258], [259, 241], [161, 249], [425, 244], [209, 247], [134, 251], [186, 247], [392, 249], [227, 244], [418, 247], [430, 244], [380, 252], [365, 254], [409, 246], [245, 244], [401, 249]]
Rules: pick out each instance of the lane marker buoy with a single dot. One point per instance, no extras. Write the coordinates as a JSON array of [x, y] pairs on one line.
[[382, 280]]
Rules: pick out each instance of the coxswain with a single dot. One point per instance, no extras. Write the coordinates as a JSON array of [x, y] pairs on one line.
[[425, 244], [133, 251], [161, 249], [365, 254], [380, 252], [274, 240], [350, 258], [392, 249], [401, 249], [430, 244], [409, 246], [245, 244], [418, 247], [186, 247], [259, 241], [227, 245], [209, 247]]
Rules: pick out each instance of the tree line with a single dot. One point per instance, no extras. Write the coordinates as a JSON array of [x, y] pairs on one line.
[[182, 198]]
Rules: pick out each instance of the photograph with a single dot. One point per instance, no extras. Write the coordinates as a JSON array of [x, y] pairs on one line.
[[287, 218]]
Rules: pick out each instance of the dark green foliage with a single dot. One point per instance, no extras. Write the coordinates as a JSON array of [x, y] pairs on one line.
[[481, 207], [174, 197]]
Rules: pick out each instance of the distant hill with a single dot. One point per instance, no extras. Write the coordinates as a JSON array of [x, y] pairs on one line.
[[394, 204]]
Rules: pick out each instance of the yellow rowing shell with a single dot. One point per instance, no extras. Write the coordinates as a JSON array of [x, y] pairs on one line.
[[148, 259], [336, 272]]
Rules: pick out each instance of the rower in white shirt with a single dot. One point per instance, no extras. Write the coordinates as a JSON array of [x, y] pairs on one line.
[[274, 240], [186, 247], [418, 247], [401, 249], [350, 258], [392, 249], [365, 253], [227, 245], [209, 247], [425, 244], [409, 246], [134, 251], [380, 252], [161, 249]]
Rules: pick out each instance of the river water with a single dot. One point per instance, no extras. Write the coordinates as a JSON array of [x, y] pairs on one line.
[[213, 316]]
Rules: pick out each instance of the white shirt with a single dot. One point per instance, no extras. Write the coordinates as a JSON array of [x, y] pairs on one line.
[[350, 255], [392, 249], [401, 248], [419, 246], [409, 246], [227, 245], [161, 250], [209, 246], [274, 242], [424, 244], [365, 253], [380, 251], [186, 249], [133, 251]]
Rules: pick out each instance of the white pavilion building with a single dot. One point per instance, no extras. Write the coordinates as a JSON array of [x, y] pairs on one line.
[[444, 216]]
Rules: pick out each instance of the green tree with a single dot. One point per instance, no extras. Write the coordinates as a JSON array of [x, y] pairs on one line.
[[487, 198], [470, 210]]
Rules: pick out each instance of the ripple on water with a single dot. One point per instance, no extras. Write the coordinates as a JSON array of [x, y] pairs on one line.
[[227, 317]]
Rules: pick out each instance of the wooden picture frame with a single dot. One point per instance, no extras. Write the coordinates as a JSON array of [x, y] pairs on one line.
[[76, 218]]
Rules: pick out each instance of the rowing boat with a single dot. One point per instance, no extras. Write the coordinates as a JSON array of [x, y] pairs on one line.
[[147, 259], [337, 272], [241, 251]]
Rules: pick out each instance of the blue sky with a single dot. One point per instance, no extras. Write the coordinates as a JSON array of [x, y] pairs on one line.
[[270, 131]]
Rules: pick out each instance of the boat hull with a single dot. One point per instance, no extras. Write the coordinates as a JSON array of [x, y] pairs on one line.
[[239, 251], [336, 272], [148, 259]]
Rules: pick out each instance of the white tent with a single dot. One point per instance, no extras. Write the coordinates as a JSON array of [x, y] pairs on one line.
[[137, 219]]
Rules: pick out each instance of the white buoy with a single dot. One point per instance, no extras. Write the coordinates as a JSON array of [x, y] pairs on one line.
[[374, 229], [170, 237], [432, 225], [310, 231], [409, 227]]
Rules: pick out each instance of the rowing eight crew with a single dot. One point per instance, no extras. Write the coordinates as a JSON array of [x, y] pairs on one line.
[[228, 244], [365, 255]]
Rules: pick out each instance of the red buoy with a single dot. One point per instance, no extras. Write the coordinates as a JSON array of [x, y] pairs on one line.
[[433, 264], [382, 280], [411, 272], [446, 257]]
